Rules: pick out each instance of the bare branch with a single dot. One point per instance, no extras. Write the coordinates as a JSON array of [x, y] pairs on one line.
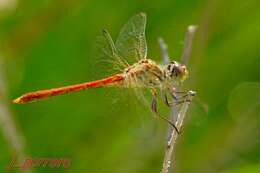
[[188, 44], [164, 50], [178, 114], [173, 137], [13, 136]]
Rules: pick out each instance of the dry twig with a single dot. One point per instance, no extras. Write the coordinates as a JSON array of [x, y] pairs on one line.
[[177, 114], [13, 136], [173, 136]]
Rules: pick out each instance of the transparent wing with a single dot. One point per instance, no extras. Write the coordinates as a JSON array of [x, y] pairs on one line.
[[106, 60], [131, 42]]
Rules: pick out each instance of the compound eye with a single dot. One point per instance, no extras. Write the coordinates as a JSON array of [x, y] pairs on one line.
[[169, 67], [175, 71]]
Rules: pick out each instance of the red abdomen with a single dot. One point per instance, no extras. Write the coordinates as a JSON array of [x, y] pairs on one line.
[[41, 94]]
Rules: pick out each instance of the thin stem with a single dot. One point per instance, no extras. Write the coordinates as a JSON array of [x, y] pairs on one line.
[[164, 50], [173, 136], [178, 114], [188, 44], [14, 138]]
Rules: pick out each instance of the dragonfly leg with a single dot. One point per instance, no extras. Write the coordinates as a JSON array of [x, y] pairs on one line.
[[166, 100], [179, 97], [155, 110], [176, 101], [174, 96]]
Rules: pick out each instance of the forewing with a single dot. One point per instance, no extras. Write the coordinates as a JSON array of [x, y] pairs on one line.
[[106, 55], [131, 42]]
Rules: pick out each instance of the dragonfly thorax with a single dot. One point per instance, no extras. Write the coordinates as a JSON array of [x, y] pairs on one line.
[[147, 73], [144, 73]]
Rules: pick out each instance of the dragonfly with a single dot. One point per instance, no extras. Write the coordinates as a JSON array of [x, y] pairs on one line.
[[143, 73]]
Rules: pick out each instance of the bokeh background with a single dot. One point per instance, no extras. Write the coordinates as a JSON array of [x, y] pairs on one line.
[[47, 44]]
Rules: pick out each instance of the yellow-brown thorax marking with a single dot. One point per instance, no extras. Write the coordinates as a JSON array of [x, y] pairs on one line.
[[145, 73]]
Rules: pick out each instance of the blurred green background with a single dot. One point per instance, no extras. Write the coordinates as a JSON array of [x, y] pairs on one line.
[[46, 44]]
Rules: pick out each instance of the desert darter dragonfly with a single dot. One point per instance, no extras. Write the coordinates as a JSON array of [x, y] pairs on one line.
[[144, 73]]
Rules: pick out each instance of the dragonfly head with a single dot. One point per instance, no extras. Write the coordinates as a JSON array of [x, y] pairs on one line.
[[175, 70]]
